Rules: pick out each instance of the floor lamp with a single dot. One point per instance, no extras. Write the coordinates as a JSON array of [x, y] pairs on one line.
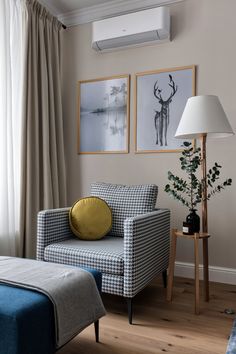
[[203, 117]]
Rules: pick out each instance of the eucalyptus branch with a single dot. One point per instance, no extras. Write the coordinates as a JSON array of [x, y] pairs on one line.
[[218, 189], [177, 196], [190, 192]]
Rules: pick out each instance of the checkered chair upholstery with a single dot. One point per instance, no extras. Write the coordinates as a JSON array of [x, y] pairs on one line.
[[135, 251]]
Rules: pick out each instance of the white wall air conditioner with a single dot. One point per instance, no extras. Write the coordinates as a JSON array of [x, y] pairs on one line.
[[134, 29]]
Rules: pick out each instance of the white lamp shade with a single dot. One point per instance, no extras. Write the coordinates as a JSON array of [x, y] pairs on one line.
[[203, 115]]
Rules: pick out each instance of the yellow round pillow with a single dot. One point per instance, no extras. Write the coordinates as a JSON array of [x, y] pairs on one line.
[[90, 218]]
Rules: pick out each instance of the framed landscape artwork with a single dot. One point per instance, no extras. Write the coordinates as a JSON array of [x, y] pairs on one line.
[[103, 117], [160, 100]]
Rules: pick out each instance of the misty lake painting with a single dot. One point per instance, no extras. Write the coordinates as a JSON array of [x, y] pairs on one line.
[[103, 124]]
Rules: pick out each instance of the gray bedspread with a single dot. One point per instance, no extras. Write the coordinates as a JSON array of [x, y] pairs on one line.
[[73, 292]]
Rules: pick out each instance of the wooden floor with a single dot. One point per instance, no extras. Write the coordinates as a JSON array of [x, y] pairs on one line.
[[161, 327]]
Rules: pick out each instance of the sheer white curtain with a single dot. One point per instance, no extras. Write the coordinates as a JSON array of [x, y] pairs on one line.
[[13, 18]]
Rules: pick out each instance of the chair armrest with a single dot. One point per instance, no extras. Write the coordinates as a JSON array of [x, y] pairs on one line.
[[146, 249], [52, 226]]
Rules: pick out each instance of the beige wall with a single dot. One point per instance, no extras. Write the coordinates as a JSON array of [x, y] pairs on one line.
[[204, 34]]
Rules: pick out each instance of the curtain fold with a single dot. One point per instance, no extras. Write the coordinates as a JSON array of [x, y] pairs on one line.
[[43, 182], [13, 19]]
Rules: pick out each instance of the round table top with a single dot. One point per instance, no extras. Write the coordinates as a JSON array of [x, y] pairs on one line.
[[179, 233]]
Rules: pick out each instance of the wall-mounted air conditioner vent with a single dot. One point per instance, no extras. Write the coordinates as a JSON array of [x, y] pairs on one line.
[[135, 29]]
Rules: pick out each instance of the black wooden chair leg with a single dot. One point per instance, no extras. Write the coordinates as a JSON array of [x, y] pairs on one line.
[[164, 278], [96, 327], [130, 309]]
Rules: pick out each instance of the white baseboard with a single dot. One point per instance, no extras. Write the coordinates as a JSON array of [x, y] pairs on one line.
[[216, 274]]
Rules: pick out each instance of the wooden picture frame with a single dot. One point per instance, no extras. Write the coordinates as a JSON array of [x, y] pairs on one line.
[[104, 115], [161, 96]]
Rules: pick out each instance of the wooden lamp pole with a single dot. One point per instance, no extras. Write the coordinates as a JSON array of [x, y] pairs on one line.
[[204, 217], [204, 190]]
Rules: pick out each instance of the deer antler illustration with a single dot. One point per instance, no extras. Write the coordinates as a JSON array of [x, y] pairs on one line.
[[162, 117]]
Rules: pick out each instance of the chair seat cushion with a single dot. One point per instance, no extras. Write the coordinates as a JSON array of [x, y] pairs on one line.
[[105, 255], [125, 201]]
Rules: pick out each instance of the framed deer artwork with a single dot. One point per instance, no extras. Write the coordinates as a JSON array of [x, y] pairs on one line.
[[103, 115], [161, 96]]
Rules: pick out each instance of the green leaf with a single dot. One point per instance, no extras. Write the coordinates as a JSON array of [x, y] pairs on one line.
[[209, 183], [187, 143]]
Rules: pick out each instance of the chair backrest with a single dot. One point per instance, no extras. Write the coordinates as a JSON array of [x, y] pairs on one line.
[[125, 201]]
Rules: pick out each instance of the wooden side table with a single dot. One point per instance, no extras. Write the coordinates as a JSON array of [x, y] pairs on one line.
[[196, 237]]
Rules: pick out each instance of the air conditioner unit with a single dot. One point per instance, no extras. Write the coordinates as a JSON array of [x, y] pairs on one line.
[[139, 28]]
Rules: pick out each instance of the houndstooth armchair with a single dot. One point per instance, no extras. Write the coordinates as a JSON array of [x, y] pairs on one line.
[[135, 251]]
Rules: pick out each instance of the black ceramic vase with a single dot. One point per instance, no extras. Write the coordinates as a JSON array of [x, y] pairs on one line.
[[193, 220]]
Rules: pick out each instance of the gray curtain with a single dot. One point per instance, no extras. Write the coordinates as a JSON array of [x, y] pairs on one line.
[[43, 161]]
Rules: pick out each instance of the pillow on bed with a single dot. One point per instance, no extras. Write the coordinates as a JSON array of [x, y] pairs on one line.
[[90, 218]]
